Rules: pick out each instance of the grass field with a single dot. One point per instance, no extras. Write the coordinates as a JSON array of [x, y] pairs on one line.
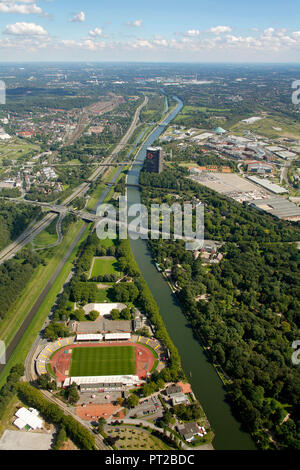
[[113, 360], [105, 265], [16, 148], [265, 127]]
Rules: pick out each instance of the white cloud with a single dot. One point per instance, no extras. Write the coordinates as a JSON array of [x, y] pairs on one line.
[[220, 29], [25, 8], [25, 29], [136, 23], [78, 18], [161, 42], [143, 43], [271, 42], [87, 44], [193, 32], [95, 32], [269, 31]]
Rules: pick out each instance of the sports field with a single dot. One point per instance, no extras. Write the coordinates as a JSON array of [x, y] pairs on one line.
[[111, 360], [104, 265]]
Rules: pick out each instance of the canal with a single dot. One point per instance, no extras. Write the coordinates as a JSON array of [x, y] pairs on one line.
[[205, 382]]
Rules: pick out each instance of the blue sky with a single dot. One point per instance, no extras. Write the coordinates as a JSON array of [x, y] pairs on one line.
[[164, 30]]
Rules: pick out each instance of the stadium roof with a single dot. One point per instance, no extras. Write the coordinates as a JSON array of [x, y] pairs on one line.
[[104, 379], [28, 418], [109, 336], [89, 337]]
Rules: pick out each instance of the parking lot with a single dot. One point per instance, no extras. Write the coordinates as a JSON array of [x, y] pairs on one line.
[[151, 407], [19, 440], [99, 397]]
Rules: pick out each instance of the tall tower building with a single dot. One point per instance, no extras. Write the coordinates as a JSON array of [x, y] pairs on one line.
[[154, 160]]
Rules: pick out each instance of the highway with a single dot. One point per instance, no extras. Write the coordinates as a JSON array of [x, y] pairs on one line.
[[25, 238]]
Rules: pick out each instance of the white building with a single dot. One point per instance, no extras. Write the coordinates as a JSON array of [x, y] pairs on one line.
[[28, 418]]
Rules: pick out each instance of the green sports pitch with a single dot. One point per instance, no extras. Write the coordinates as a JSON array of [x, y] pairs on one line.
[[96, 361]]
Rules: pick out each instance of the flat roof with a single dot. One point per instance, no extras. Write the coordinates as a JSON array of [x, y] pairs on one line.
[[109, 336], [274, 188], [103, 379], [89, 337], [278, 206], [29, 418]]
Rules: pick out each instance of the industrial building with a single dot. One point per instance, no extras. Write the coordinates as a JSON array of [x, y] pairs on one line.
[[279, 207], [273, 188], [154, 160], [259, 167]]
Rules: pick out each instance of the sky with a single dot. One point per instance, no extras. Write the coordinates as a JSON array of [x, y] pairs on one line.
[[154, 31]]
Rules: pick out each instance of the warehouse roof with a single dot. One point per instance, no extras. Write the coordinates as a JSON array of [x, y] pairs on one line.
[[280, 207], [274, 188]]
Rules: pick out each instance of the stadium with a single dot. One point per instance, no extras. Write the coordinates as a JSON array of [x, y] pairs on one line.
[[111, 362]]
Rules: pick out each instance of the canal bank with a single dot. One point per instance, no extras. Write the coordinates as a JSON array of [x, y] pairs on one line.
[[205, 382]]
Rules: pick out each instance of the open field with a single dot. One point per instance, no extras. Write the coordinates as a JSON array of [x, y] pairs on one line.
[[201, 109], [16, 148], [45, 238], [104, 265], [95, 196], [103, 361], [266, 127]]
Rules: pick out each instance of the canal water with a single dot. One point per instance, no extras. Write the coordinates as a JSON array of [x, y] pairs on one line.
[[205, 382]]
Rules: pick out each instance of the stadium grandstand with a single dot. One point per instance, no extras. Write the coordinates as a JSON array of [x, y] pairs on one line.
[[89, 337], [106, 337], [103, 383]]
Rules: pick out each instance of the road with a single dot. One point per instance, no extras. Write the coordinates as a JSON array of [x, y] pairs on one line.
[[31, 314], [32, 231], [28, 235], [70, 411], [142, 422]]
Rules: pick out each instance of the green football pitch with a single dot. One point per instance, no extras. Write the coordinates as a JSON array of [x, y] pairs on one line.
[[111, 360]]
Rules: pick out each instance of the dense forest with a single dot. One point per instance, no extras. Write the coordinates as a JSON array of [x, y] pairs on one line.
[[225, 219], [14, 276], [245, 309], [14, 219]]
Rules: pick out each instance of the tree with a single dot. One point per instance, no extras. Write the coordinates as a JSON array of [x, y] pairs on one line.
[[46, 382], [60, 438], [93, 315], [125, 314], [101, 423], [56, 330], [73, 394], [115, 314], [132, 401]]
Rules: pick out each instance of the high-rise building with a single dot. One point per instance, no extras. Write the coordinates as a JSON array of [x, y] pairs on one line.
[[154, 160]]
